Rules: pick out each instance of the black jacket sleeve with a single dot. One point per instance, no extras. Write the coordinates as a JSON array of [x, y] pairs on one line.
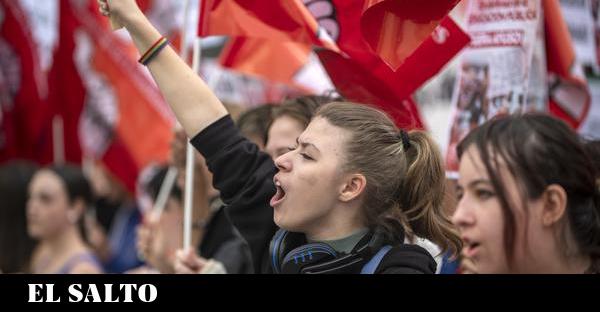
[[244, 176], [223, 242]]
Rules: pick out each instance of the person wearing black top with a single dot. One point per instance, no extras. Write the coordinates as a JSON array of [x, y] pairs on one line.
[[350, 197], [253, 166]]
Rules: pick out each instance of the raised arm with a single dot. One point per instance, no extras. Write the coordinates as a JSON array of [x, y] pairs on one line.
[[194, 104]]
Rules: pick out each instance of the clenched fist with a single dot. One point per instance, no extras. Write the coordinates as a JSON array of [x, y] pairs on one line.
[[121, 12]]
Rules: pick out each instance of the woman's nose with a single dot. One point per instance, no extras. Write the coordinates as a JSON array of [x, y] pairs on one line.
[[284, 162], [462, 216]]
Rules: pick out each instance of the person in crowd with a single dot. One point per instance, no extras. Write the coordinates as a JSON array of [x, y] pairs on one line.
[[209, 212], [278, 130], [58, 199], [286, 123], [16, 246], [254, 124], [347, 195], [289, 120], [160, 236], [112, 233], [528, 198]]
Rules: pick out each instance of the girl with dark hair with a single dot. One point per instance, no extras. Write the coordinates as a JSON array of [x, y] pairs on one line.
[[58, 198], [528, 198]]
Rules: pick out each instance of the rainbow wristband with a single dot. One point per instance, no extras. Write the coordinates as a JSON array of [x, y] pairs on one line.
[[153, 51]]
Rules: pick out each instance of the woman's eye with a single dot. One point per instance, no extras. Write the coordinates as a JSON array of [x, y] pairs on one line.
[[305, 156], [484, 194], [45, 198], [291, 148]]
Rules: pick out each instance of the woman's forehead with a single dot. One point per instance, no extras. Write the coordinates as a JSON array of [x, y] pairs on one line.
[[324, 135], [47, 180], [471, 167]]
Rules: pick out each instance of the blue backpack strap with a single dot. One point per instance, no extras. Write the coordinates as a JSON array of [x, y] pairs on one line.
[[372, 265]]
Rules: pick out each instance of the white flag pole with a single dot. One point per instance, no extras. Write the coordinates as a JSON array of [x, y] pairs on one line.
[[189, 176], [169, 180], [190, 159], [58, 140]]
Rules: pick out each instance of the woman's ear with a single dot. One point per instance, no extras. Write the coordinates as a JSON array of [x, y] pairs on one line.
[[353, 186], [76, 211], [555, 204]]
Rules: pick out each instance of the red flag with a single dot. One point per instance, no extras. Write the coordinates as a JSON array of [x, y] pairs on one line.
[[340, 18], [356, 83], [369, 80], [287, 21], [111, 110], [274, 60], [431, 56], [570, 98], [395, 29], [22, 88], [282, 21]]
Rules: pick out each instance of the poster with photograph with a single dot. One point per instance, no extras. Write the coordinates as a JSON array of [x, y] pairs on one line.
[[503, 71]]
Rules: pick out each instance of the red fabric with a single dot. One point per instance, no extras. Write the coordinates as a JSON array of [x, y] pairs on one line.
[[272, 42], [430, 56], [67, 92], [570, 99], [109, 77], [269, 59], [367, 79], [23, 108], [357, 83], [359, 74], [282, 21], [395, 29]]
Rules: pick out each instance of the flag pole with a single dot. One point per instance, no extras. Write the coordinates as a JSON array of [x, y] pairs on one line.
[[189, 163], [58, 140], [189, 168]]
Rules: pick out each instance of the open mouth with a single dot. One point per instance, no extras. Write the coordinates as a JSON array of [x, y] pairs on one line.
[[279, 195], [470, 248]]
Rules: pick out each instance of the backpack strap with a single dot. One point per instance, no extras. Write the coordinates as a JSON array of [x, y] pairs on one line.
[[372, 265]]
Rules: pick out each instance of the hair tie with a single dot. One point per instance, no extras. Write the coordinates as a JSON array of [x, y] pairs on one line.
[[405, 140]]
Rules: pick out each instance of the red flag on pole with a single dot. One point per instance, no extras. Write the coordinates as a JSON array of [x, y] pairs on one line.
[[111, 110], [353, 27], [288, 21], [281, 21], [23, 88], [274, 60], [367, 79], [357, 83]]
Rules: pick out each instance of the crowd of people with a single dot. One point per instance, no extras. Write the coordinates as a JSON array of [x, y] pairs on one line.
[[313, 185]]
